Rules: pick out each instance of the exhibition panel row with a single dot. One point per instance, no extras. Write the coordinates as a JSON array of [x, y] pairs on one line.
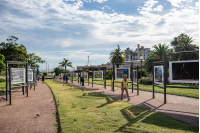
[[179, 72], [18, 75]]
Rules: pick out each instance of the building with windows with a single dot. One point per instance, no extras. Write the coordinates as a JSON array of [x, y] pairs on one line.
[[137, 54]]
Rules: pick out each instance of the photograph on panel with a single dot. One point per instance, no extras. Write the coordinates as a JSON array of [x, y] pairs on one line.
[[98, 74], [184, 71], [120, 72], [158, 75], [17, 75]]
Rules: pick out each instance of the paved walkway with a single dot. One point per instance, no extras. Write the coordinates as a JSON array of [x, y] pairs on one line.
[[21, 116], [178, 107]]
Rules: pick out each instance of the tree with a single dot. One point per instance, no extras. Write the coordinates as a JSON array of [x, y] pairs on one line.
[[12, 51], [157, 54], [57, 70], [184, 43], [65, 63], [114, 56], [2, 64], [33, 59]]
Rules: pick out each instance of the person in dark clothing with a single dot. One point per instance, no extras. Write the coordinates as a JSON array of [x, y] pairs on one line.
[[82, 80], [63, 77], [38, 79], [43, 78], [67, 79]]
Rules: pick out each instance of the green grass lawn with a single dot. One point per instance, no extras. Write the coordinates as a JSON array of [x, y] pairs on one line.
[[3, 87], [89, 112], [174, 91]]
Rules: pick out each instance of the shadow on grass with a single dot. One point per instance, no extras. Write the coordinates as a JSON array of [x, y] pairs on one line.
[[135, 114], [97, 95]]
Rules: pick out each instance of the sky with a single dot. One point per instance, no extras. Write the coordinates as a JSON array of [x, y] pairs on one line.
[[75, 29]]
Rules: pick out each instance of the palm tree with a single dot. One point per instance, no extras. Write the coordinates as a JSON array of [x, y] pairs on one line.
[[157, 54], [114, 56], [183, 43], [65, 63]]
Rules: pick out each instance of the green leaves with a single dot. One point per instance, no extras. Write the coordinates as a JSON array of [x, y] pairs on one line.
[[33, 59], [114, 56], [157, 54], [2, 64]]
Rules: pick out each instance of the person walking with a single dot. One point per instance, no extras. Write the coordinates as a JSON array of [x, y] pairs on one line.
[[82, 80], [67, 79], [38, 79], [124, 86], [43, 78], [63, 77]]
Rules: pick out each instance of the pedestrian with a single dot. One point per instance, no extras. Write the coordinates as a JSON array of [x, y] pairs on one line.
[[43, 78], [124, 86], [63, 77], [67, 79], [82, 80], [38, 79]]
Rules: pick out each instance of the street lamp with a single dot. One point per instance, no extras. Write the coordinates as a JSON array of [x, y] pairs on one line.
[[141, 58], [46, 65], [88, 59]]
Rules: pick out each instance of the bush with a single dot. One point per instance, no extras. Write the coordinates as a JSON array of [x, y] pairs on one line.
[[146, 81], [2, 80], [45, 73], [144, 73]]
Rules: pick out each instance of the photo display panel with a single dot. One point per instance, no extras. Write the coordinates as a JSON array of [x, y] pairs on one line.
[[98, 75], [30, 75], [184, 71], [85, 75], [75, 75], [158, 75], [17, 75], [119, 73]]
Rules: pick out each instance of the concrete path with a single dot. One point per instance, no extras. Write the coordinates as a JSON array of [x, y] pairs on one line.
[[32, 114], [181, 108]]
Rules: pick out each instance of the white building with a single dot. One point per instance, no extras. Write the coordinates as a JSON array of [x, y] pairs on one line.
[[135, 55]]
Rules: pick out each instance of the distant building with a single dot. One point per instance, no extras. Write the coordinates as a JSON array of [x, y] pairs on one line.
[[135, 55]]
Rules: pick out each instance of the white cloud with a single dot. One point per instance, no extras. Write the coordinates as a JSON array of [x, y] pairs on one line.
[[105, 7], [177, 3], [100, 1], [158, 8], [92, 30], [196, 5]]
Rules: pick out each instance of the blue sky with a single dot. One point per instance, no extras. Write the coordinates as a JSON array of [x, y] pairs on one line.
[[73, 29]]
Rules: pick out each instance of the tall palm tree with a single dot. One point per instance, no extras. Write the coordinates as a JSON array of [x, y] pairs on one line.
[[184, 43], [114, 56], [65, 63], [157, 54]]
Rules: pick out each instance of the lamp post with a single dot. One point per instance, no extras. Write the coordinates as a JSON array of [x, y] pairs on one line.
[[141, 58], [46, 65], [88, 60]]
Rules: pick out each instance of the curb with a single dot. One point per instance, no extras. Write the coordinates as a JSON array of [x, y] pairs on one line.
[[57, 113]]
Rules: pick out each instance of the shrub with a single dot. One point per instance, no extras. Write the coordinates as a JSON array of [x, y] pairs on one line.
[[144, 73], [2, 80], [45, 73], [146, 81]]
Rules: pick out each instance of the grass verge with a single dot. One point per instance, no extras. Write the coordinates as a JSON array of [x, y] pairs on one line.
[[194, 93], [3, 87], [88, 112]]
